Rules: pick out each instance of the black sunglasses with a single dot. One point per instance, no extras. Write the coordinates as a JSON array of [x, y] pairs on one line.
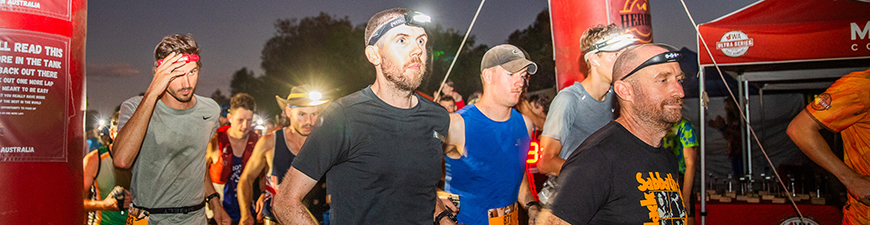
[[666, 57]]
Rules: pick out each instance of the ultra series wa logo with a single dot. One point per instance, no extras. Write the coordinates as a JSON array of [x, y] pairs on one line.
[[734, 43]]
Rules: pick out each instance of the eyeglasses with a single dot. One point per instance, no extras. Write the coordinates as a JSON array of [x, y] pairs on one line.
[[666, 57], [411, 18]]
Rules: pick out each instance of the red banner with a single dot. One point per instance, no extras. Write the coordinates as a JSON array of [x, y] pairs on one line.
[[570, 18], [33, 80], [50, 8]]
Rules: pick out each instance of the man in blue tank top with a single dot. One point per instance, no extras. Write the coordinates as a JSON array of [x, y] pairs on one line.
[[487, 144], [276, 150]]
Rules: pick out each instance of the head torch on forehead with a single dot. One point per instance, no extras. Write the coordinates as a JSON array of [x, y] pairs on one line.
[[665, 57], [612, 43], [411, 18]]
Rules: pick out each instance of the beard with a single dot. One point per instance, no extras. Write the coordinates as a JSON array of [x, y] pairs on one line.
[[181, 98], [396, 74], [656, 113]]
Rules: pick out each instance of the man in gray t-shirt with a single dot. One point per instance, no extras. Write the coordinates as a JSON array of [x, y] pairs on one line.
[[163, 136], [584, 107]]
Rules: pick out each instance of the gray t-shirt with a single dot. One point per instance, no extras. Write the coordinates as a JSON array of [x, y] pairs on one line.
[[574, 115], [170, 168]]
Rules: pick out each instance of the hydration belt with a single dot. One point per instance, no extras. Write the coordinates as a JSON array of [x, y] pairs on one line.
[[172, 210]]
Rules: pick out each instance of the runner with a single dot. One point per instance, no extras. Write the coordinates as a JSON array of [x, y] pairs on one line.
[[230, 149], [488, 143], [275, 151], [166, 133]]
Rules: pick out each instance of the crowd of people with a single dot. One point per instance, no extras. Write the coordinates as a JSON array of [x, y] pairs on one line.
[[615, 146]]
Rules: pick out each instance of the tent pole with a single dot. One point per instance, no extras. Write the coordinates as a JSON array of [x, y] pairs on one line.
[[702, 107], [746, 131]]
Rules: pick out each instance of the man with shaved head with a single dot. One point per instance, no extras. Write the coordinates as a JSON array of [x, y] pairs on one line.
[[621, 174]]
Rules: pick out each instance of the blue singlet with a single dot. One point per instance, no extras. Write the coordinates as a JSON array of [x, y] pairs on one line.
[[490, 174]]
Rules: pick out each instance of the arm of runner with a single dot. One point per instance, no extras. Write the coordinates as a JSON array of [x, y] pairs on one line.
[[804, 131], [211, 152], [530, 127], [220, 216], [690, 154], [287, 203], [550, 163], [454, 145], [526, 196], [255, 165], [91, 165], [132, 133], [439, 208]]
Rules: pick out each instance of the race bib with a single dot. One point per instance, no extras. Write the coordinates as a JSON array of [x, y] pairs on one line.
[[508, 215]]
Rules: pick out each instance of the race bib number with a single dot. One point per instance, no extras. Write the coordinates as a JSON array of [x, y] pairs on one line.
[[508, 215]]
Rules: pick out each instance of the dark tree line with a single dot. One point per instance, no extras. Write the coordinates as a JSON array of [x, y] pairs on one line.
[[327, 53]]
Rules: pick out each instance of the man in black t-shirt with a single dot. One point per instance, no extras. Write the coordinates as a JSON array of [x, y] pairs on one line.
[[621, 174], [380, 148]]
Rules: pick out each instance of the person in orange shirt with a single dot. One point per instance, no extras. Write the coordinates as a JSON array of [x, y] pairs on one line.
[[842, 108]]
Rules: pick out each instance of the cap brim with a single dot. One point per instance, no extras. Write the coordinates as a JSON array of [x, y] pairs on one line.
[[518, 64]]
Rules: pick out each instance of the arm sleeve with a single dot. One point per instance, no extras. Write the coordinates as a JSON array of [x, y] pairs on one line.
[[687, 135], [842, 105], [558, 119], [585, 186], [326, 146]]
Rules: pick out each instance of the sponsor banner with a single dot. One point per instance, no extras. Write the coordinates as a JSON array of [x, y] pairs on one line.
[[34, 89], [50, 8], [634, 16]]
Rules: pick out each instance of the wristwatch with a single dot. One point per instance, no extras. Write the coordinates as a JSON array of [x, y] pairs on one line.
[[211, 196], [533, 203]]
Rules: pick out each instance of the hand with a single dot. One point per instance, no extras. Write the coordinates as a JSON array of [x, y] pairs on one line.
[[110, 204], [166, 72], [259, 208], [220, 216], [533, 213], [245, 220], [126, 196], [859, 188]]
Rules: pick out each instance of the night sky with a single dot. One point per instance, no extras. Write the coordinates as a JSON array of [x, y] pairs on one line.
[[231, 34]]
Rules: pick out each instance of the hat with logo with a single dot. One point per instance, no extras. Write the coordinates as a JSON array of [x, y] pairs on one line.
[[300, 96], [508, 57]]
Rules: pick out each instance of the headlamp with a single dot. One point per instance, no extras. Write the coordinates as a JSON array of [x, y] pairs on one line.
[[411, 18], [666, 57], [611, 43]]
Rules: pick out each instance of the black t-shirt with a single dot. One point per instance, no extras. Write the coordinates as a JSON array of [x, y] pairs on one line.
[[615, 178], [382, 163]]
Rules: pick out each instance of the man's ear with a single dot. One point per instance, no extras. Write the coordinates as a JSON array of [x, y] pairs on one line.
[[373, 54], [623, 89], [487, 76], [593, 58]]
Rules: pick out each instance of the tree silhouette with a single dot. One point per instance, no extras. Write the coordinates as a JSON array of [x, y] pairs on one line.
[[327, 53], [538, 43], [219, 97]]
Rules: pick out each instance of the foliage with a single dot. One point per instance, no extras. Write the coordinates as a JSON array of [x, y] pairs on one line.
[[537, 41], [327, 53]]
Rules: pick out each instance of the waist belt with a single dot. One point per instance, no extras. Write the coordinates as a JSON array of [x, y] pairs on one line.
[[173, 210]]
